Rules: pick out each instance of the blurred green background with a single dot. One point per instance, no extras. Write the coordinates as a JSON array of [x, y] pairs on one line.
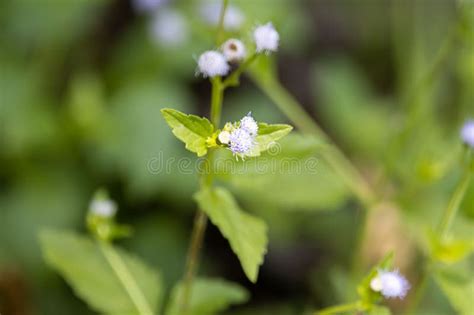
[[82, 83]]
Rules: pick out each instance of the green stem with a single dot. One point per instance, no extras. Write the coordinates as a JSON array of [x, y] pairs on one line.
[[216, 101], [356, 306], [233, 79], [220, 24], [133, 290], [336, 159], [453, 206], [200, 221], [197, 237], [443, 231]]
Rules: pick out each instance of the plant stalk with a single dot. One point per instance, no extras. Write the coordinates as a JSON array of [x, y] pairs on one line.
[[200, 220], [336, 159], [453, 206]]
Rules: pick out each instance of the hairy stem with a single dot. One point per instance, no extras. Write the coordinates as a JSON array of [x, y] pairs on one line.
[[356, 306], [127, 280]]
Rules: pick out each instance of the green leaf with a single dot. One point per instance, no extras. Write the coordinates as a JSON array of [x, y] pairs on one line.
[[458, 286], [110, 280], [349, 102], [208, 296], [366, 294], [268, 135], [379, 310], [246, 234], [289, 177], [192, 130]]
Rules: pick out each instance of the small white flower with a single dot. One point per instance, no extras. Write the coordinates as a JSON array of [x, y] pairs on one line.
[[144, 6], [241, 142], [233, 19], [169, 28], [266, 38], [391, 284], [234, 50], [103, 207], [467, 133], [224, 137], [249, 124], [212, 63]]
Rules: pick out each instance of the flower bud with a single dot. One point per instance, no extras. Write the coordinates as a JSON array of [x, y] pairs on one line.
[[234, 50]]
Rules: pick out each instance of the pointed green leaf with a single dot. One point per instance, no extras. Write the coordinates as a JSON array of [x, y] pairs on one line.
[[110, 280], [208, 296], [191, 129], [267, 136], [366, 294], [246, 234]]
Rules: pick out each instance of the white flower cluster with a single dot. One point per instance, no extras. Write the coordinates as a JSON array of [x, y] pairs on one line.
[[240, 137], [467, 133], [216, 63], [391, 284], [103, 208]]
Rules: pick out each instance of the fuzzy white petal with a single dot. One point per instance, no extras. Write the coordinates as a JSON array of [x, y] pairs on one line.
[[212, 63], [249, 124], [266, 38], [394, 285]]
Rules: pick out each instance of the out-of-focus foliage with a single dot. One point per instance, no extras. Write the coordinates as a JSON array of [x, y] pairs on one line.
[[94, 272], [82, 84], [209, 296]]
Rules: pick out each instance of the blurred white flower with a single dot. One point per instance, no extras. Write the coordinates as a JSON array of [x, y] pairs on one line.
[[467, 133], [233, 19], [234, 50], [249, 124], [147, 6], [103, 207], [266, 38], [169, 28], [391, 284], [212, 63]]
